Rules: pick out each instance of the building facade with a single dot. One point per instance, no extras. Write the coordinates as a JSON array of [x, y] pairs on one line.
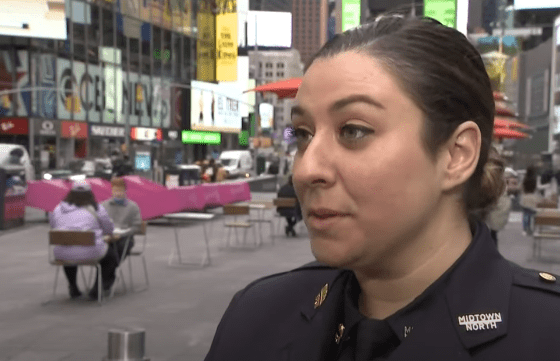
[[118, 82], [270, 66], [309, 26]]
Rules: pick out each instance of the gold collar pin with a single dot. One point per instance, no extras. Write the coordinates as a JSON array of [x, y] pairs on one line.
[[320, 298]]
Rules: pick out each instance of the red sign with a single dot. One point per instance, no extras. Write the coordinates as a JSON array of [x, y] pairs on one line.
[[14, 126], [74, 129], [138, 133]]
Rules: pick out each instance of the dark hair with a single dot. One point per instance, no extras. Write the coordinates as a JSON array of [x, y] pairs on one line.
[[81, 198], [443, 73]]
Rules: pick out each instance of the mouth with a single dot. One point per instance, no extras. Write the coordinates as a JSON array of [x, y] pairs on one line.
[[325, 213]]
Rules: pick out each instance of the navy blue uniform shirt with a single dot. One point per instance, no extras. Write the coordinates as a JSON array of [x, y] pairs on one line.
[[483, 308]]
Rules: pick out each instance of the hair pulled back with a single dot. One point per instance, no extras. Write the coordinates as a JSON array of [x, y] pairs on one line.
[[444, 75]]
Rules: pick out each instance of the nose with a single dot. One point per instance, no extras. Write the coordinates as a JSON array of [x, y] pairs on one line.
[[314, 165]]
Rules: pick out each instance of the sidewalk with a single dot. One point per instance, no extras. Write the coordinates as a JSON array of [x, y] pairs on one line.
[[180, 310]]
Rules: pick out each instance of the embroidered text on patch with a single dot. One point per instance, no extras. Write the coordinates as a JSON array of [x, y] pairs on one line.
[[481, 321]]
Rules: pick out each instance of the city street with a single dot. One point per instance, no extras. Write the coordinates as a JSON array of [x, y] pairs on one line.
[[181, 308]]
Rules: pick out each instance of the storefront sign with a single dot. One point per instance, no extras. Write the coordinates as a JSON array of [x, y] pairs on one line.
[[226, 47], [148, 134], [14, 126], [74, 130], [103, 131], [48, 128], [192, 137]]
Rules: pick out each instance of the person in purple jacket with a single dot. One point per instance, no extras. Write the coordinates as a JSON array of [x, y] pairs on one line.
[[80, 212]]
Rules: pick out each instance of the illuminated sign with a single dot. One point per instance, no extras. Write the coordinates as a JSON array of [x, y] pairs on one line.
[[192, 137], [215, 107], [444, 11], [266, 113], [226, 47], [148, 134], [33, 18], [351, 11], [206, 48]]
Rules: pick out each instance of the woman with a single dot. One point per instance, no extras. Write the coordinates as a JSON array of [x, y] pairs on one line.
[[530, 198], [80, 212], [394, 123]]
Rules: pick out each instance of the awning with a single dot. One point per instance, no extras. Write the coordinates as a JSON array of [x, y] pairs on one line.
[[284, 88], [509, 133], [500, 122]]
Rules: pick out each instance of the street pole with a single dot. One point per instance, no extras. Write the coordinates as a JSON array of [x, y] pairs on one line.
[[552, 124]]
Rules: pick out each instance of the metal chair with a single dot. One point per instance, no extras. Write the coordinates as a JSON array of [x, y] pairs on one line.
[[235, 211], [546, 226], [139, 252], [74, 238]]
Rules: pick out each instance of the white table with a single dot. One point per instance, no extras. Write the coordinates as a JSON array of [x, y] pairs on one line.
[[177, 218]]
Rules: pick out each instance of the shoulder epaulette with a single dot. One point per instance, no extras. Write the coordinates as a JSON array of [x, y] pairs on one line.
[[539, 280]]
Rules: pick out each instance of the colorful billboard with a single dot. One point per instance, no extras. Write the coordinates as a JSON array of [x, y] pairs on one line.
[[444, 11], [33, 18], [206, 47], [226, 47], [215, 107], [351, 12]]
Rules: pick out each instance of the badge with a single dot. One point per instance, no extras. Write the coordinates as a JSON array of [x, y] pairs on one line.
[[480, 321], [320, 298]]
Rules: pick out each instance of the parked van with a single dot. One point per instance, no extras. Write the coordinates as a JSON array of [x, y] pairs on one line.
[[15, 154], [238, 163]]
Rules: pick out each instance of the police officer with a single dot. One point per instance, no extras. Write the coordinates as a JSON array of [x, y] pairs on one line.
[[394, 123]]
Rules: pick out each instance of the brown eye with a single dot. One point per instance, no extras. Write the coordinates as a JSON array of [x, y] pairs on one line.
[[354, 133]]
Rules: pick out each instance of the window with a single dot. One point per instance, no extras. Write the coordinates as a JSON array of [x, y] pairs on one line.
[[280, 65], [269, 65], [280, 74], [268, 73]]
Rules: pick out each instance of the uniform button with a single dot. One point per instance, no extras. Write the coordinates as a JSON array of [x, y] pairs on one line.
[[547, 277]]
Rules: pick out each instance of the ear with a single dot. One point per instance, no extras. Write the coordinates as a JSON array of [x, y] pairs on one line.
[[461, 155]]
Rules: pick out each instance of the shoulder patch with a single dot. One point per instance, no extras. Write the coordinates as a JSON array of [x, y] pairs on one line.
[[540, 280]]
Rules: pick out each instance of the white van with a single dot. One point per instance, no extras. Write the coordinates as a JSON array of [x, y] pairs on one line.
[[238, 163], [15, 154]]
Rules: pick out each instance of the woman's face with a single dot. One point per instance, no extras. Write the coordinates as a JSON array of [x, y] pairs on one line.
[[360, 154]]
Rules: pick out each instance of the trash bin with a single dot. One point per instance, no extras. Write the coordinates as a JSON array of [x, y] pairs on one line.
[[13, 187], [126, 345]]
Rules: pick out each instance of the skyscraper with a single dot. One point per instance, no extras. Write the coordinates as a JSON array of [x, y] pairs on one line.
[[271, 5], [309, 26]]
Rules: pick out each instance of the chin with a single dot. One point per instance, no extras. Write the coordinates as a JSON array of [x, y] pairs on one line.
[[332, 255]]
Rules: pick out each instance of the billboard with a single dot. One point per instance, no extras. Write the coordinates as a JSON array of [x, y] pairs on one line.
[[350, 14], [535, 4], [193, 137], [242, 84], [33, 18], [269, 28], [215, 107], [444, 11], [205, 47], [266, 113], [226, 47]]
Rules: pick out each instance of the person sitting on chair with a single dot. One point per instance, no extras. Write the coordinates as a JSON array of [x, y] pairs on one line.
[[293, 215], [125, 214], [80, 212]]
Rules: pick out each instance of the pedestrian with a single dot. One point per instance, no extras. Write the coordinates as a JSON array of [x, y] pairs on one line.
[[125, 215], [394, 123], [292, 215], [80, 212], [530, 198]]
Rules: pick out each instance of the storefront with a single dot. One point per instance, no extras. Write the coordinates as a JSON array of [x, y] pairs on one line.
[[73, 142], [14, 131], [104, 140], [46, 144], [172, 148]]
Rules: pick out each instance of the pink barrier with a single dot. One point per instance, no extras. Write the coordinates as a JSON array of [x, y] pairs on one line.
[[46, 194], [153, 199]]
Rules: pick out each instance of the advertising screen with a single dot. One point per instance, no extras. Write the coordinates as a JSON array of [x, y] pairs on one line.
[[535, 4], [33, 18], [444, 11], [350, 14], [143, 161], [266, 112], [193, 137], [269, 28], [226, 47], [215, 107]]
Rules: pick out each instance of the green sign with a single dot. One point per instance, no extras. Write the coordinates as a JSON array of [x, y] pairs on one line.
[[244, 138], [351, 10], [194, 137], [444, 11]]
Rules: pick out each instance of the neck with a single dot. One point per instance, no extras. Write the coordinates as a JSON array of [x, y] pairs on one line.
[[433, 251]]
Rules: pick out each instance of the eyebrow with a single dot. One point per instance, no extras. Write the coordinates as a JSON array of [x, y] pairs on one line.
[[341, 103]]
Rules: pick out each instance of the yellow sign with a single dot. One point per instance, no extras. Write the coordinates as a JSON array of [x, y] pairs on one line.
[[206, 45], [226, 47]]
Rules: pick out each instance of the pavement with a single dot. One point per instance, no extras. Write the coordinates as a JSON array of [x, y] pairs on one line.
[[183, 305]]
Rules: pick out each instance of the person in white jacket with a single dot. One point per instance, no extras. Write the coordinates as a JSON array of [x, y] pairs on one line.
[[498, 216]]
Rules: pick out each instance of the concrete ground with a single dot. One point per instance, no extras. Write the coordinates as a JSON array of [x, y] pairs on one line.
[[181, 308]]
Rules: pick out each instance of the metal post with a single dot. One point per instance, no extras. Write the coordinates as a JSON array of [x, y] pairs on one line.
[[552, 116]]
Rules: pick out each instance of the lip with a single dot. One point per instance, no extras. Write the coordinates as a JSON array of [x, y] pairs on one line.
[[323, 212], [324, 223]]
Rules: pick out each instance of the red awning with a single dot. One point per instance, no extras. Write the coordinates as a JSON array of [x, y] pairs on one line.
[[500, 96], [284, 88], [509, 133], [500, 122], [503, 110]]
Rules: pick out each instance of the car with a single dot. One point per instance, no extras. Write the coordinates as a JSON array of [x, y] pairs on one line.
[[238, 163], [62, 174]]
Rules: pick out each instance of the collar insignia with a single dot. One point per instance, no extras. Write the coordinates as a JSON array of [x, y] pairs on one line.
[[320, 298], [480, 321]]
